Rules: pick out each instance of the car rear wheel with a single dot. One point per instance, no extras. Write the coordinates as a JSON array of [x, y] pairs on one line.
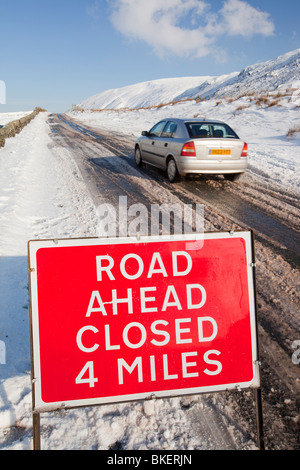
[[138, 157], [172, 172]]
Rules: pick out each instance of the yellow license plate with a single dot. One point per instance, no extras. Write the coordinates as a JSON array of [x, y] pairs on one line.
[[219, 152]]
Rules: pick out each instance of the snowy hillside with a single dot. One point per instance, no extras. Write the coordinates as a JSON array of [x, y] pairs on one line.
[[266, 76], [142, 94]]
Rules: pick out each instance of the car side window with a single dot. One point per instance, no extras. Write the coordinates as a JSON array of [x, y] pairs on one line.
[[157, 129], [169, 129]]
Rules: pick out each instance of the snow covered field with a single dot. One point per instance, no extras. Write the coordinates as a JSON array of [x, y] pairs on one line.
[[5, 118], [43, 195]]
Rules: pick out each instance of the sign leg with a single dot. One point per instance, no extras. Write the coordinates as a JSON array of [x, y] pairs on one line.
[[36, 431], [259, 419]]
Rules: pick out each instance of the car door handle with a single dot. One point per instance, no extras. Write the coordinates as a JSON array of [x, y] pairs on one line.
[[153, 142], [166, 144]]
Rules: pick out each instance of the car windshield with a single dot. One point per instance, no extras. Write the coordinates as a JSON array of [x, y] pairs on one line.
[[218, 130]]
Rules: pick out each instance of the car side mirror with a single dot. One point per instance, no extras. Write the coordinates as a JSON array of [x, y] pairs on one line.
[[145, 133]]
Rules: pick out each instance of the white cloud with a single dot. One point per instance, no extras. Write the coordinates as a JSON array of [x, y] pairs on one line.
[[186, 27], [243, 19], [157, 23]]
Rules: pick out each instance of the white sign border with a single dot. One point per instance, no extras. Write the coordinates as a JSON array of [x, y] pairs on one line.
[[40, 406]]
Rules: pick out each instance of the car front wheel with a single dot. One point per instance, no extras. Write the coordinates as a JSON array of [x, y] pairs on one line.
[[138, 157]]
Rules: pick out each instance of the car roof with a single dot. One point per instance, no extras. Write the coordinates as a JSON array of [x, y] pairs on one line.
[[192, 120]]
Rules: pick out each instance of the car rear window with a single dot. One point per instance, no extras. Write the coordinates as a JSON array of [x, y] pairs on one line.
[[216, 130]]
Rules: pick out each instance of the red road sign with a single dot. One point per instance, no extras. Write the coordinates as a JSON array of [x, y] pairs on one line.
[[120, 319]]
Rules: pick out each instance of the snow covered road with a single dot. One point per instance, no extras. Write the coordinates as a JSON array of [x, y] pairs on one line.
[[53, 176]]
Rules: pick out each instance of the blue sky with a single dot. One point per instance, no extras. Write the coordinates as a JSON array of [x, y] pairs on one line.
[[57, 53]]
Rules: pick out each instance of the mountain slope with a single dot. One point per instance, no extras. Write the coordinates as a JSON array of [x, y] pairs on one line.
[[143, 94], [265, 76]]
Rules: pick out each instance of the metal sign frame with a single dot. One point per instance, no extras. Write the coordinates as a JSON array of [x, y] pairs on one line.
[[39, 406]]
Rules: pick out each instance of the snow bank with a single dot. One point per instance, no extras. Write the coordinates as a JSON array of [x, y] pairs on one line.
[[39, 189]]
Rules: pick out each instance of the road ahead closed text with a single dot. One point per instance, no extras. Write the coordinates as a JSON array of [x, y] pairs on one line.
[[124, 320]]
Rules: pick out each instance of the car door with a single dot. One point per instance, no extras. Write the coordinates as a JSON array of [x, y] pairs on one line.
[[150, 145]]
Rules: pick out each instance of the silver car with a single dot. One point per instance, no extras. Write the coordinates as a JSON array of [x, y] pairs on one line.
[[186, 146]]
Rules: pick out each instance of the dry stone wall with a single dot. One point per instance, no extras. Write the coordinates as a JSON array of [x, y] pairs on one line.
[[14, 127]]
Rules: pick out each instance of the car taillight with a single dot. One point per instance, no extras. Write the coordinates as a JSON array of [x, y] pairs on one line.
[[245, 151], [188, 150]]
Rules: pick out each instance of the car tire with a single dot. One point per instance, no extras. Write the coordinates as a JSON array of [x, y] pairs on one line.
[[138, 157], [172, 171]]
